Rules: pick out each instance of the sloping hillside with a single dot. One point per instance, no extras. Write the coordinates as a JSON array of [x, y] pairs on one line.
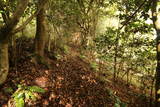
[[69, 81]]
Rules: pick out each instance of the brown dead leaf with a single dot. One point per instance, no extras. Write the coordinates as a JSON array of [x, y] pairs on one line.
[[68, 105], [42, 81]]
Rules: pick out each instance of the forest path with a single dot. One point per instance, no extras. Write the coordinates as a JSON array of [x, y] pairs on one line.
[[130, 95], [71, 82]]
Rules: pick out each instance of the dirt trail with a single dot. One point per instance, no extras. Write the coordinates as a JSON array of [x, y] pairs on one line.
[[70, 82]]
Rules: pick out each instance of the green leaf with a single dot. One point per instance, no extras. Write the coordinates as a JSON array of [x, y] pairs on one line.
[[20, 86], [31, 95], [36, 89], [19, 95], [123, 104], [116, 105], [20, 102], [118, 100], [15, 94], [1, 11], [27, 96], [94, 65]]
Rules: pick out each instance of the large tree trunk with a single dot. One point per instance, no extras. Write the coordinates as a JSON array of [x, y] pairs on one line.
[[41, 34], [5, 33], [157, 77], [156, 23], [157, 84], [4, 63]]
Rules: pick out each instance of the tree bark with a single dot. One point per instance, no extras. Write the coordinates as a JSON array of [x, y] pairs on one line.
[[5, 33], [157, 83], [156, 23], [41, 34], [4, 63], [27, 21]]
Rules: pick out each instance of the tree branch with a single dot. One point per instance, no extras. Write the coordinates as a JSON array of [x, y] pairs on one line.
[[130, 17], [4, 14], [6, 29], [23, 26], [22, 5], [154, 13]]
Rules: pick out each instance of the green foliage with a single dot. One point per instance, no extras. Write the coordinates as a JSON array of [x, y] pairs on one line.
[[58, 56], [19, 102], [94, 66], [105, 44], [65, 49], [119, 103], [1, 11], [82, 56], [8, 90], [25, 93], [68, 17], [133, 46], [116, 105], [36, 89]]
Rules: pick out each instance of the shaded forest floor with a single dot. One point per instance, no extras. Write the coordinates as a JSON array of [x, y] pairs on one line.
[[69, 82]]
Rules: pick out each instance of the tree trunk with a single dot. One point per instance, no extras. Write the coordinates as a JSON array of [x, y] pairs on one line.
[[5, 33], [156, 23], [4, 63], [49, 42], [41, 33], [157, 84]]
